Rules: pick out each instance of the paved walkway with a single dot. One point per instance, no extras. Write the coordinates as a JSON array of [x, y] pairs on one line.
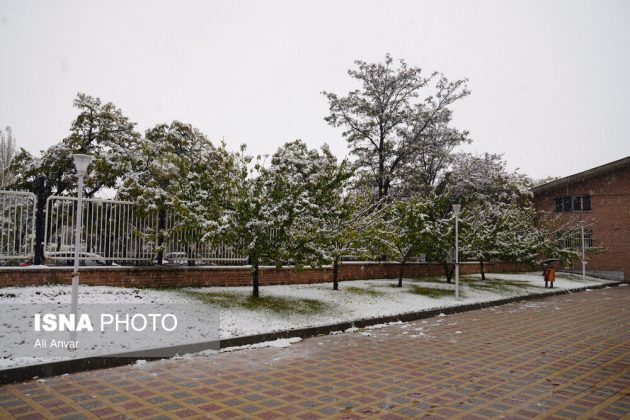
[[561, 357]]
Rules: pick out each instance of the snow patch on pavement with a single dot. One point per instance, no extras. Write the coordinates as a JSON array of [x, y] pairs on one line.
[[279, 343]]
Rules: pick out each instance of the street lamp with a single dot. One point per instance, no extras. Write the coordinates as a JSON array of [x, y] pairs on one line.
[[81, 162], [583, 252], [456, 209]]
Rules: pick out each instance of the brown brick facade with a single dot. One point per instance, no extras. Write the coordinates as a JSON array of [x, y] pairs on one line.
[[161, 277], [609, 217]]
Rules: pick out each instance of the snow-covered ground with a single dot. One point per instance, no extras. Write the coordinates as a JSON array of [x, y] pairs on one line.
[[346, 305], [301, 305]]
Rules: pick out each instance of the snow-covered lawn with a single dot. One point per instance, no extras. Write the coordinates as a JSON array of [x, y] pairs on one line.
[[375, 298], [284, 307]]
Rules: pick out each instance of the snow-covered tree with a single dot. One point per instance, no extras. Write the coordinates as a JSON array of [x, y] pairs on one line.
[[555, 233], [479, 229], [518, 239], [319, 183], [263, 209], [390, 130], [440, 231], [178, 173], [500, 231], [345, 229], [332, 222], [25, 169], [475, 178], [432, 157], [100, 130], [496, 209], [7, 154], [404, 231]]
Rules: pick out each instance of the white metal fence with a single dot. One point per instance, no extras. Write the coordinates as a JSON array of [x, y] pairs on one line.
[[17, 225], [112, 231], [182, 246], [116, 232]]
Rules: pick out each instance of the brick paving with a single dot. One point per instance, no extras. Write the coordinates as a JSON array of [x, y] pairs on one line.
[[561, 357]]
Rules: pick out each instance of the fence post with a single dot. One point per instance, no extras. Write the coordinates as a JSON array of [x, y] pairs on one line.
[[160, 235], [40, 221]]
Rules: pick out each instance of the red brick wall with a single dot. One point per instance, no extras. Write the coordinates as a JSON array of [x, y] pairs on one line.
[[609, 216], [239, 276]]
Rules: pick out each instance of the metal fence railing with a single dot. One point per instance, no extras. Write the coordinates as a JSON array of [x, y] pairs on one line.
[[117, 232], [112, 231], [181, 245], [17, 225]]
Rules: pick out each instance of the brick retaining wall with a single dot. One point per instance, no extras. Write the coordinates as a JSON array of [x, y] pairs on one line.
[[157, 277]]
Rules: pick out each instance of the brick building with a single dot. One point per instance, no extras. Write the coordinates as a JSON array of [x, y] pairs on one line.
[[601, 197]]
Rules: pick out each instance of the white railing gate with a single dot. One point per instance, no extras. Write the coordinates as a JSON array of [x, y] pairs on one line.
[[17, 225]]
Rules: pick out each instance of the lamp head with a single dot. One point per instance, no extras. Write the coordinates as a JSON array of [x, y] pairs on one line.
[[456, 208], [82, 162]]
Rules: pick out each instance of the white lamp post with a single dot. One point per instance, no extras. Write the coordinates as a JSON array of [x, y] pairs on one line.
[[81, 162], [456, 209], [583, 252]]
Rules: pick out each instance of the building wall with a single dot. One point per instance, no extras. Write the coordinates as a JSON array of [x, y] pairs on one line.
[[609, 216], [163, 277]]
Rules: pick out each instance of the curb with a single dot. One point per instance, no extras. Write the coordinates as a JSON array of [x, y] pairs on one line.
[[42, 370]]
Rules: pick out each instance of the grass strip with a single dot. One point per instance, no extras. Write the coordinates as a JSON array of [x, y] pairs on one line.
[[276, 304]]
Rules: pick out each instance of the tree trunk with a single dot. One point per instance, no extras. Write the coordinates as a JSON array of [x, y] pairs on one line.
[[160, 235], [189, 256], [402, 270], [335, 273], [255, 279], [381, 167], [483, 274], [449, 272]]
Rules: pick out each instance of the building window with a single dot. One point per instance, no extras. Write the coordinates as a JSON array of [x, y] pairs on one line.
[[572, 203], [572, 239]]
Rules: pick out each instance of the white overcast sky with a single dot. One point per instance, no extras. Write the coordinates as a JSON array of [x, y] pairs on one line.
[[550, 80]]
